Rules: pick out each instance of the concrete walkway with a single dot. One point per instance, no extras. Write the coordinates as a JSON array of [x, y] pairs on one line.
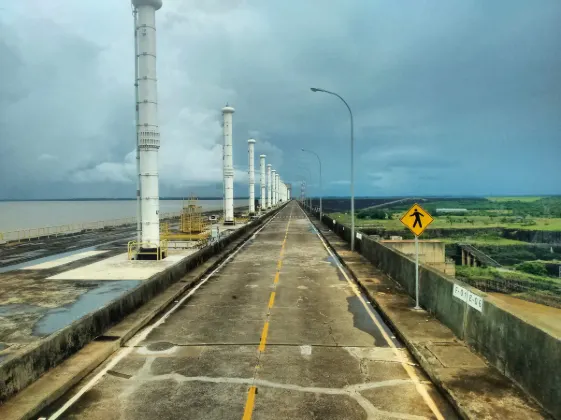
[[279, 332]]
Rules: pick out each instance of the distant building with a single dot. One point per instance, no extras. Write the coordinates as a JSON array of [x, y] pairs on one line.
[[451, 210]]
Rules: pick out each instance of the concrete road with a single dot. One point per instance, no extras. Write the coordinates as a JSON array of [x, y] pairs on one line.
[[278, 332]]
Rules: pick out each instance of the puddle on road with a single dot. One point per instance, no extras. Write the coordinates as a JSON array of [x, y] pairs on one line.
[[363, 321], [97, 297], [333, 262]]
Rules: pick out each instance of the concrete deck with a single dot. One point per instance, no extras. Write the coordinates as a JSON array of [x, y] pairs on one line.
[[40, 299], [40, 296], [276, 333]]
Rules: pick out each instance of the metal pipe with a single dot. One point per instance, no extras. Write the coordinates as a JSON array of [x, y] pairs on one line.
[[417, 272]]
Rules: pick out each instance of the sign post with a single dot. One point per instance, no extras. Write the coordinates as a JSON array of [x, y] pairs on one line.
[[417, 220]]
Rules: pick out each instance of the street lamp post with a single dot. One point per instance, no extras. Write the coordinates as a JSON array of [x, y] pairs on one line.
[[309, 180], [303, 183], [352, 164], [320, 186]]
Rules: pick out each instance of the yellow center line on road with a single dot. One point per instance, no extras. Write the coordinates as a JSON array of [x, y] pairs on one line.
[[250, 402], [264, 337], [272, 300]]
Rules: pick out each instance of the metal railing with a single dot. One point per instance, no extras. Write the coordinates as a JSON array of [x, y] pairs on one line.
[[20, 235], [136, 248]]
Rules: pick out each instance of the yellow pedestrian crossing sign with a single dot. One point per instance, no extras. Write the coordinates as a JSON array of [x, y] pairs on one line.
[[416, 219]]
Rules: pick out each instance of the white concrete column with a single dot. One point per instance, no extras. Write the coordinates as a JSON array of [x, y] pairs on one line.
[[263, 201], [148, 131], [277, 186], [273, 187], [269, 186], [250, 153], [228, 168]]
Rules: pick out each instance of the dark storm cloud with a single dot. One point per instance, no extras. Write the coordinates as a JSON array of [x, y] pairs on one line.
[[448, 97]]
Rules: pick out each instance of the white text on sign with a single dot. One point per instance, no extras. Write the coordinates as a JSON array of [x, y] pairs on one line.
[[468, 297]]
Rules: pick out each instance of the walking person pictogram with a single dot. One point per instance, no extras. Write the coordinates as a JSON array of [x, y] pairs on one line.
[[417, 215]]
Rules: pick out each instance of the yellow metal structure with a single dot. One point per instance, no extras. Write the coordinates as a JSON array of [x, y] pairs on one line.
[[134, 247], [192, 226], [192, 217]]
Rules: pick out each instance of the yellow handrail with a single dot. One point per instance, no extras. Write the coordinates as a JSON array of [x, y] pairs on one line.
[[135, 248]]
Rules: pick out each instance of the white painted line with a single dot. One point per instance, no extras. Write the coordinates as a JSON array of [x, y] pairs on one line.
[[306, 350], [141, 335], [410, 371], [64, 260]]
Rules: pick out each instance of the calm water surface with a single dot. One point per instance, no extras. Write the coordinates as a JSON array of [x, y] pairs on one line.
[[33, 214]]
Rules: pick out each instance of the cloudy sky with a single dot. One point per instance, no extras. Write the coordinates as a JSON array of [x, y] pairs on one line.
[[449, 97]]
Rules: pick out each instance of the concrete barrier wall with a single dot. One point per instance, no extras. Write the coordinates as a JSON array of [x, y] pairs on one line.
[[524, 353], [30, 363]]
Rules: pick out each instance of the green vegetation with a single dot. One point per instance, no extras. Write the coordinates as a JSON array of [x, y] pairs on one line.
[[483, 240], [527, 199], [458, 222], [532, 267], [539, 289], [517, 254], [489, 273], [532, 213], [371, 213]]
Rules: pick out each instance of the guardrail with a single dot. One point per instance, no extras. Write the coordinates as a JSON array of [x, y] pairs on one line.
[[20, 235], [136, 248]]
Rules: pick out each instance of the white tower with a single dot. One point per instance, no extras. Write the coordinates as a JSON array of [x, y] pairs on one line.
[[262, 182], [148, 132], [269, 186], [228, 170], [273, 187], [276, 189], [250, 152]]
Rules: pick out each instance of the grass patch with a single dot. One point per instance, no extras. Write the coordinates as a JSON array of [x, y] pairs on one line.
[[515, 278], [538, 289], [483, 240], [455, 222], [523, 199]]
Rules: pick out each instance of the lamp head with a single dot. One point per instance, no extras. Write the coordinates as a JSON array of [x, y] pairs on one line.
[[314, 89]]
